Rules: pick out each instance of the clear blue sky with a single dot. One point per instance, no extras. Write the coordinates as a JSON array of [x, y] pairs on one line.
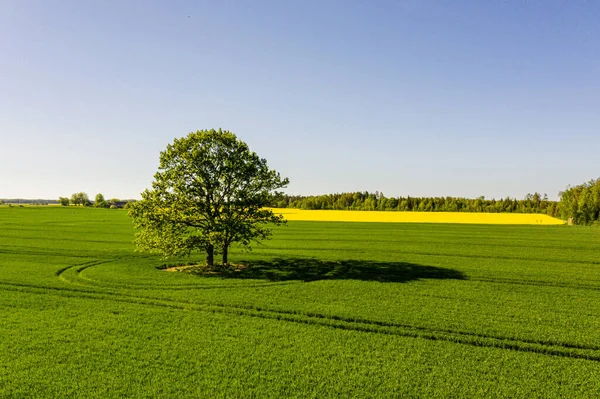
[[421, 98]]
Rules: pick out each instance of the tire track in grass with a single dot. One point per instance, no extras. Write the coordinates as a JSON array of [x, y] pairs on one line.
[[79, 268], [40, 252], [405, 240], [586, 352], [87, 240], [535, 283], [82, 265], [457, 255], [359, 320]]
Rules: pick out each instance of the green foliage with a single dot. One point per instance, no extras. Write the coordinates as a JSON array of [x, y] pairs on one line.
[[63, 201], [208, 193], [101, 202], [581, 204], [328, 310], [80, 199], [365, 201]]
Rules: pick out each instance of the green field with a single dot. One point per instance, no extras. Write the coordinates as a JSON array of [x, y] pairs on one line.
[[325, 310]]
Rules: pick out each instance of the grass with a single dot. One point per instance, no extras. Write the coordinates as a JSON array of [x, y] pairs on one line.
[[326, 309]]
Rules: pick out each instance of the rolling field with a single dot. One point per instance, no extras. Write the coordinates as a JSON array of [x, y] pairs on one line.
[[326, 310]]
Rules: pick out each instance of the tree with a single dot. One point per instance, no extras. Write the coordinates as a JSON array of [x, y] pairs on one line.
[[63, 201], [80, 199], [209, 192], [581, 203], [100, 201]]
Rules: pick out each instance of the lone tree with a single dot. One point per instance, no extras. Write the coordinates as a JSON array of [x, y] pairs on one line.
[[209, 192]]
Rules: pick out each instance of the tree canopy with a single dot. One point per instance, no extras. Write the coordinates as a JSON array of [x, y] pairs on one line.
[[80, 198], [581, 203], [100, 201], [210, 191]]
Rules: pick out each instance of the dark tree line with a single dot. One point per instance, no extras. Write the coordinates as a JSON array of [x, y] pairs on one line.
[[365, 201], [581, 204], [25, 201]]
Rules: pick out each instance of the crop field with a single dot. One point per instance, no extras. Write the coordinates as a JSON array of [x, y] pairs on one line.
[[416, 217], [324, 310]]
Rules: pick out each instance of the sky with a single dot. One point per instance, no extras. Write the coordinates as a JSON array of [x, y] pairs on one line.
[[419, 98]]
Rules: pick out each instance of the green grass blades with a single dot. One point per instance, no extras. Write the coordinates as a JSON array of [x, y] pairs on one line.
[[324, 310]]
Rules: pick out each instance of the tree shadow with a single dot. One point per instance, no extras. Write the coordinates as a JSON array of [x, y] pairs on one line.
[[310, 269]]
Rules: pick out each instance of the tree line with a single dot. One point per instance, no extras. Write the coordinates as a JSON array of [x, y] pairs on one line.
[[83, 199], [578, 204], [365, 201], [25, 201]]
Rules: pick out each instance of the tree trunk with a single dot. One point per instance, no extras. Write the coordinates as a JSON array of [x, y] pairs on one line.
[[210, 255], [225, 251]]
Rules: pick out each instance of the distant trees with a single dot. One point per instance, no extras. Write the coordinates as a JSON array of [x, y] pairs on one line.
[[365, 201], [100, 201], [581, 204], [80, 199]]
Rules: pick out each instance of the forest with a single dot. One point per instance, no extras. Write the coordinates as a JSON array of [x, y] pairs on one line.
[[365, 201], [578, 205]]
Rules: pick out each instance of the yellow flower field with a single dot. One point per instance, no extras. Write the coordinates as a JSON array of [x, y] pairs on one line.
[[417, 217]]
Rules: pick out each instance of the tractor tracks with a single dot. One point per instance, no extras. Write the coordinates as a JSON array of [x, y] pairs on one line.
[[544, 347]]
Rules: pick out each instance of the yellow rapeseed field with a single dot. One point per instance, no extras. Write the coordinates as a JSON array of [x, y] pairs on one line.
[[417, 217]]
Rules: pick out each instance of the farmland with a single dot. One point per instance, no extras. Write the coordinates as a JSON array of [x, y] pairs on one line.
[[327, 309], [416, 217]]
